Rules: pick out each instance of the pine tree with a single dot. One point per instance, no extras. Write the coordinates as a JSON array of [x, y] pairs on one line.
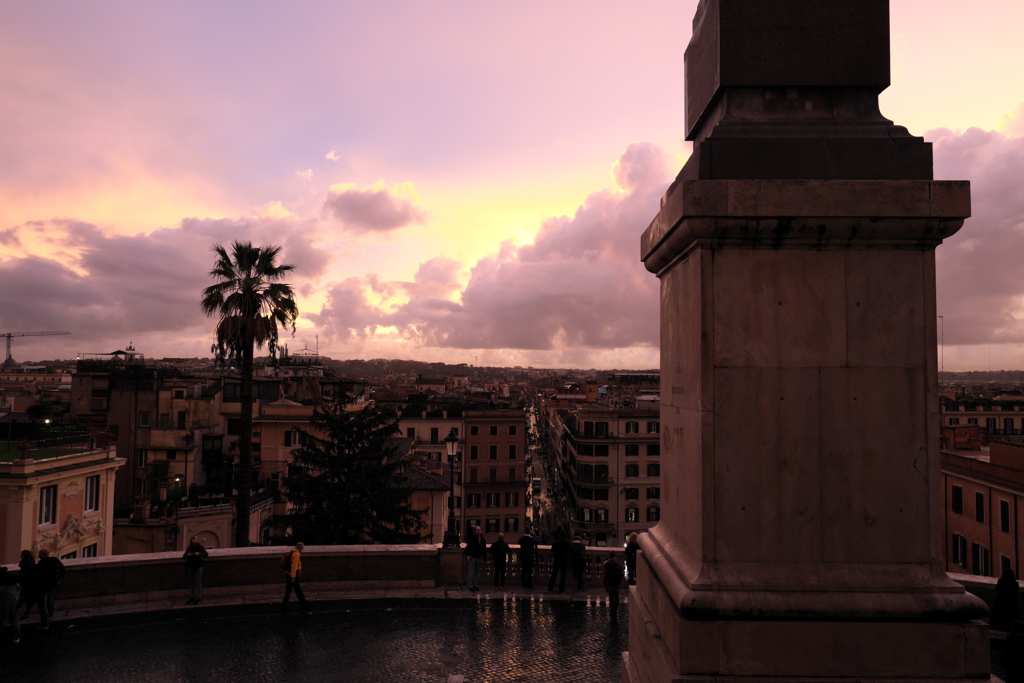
[[346, 485]]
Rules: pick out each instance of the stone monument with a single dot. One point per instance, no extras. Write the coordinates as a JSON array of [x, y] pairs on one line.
[[800, 530]]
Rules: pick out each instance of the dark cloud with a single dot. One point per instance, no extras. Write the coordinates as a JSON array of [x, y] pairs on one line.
[[980, 281], [371, 210], [580, 284], [108, 290]]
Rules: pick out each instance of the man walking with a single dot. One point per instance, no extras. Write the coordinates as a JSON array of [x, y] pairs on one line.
[[194, 555], [476, 546], [47, 575], [293, 575], [499, 555], [527, 551]]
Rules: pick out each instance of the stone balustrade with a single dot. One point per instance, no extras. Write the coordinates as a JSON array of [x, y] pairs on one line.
[[92, 582]]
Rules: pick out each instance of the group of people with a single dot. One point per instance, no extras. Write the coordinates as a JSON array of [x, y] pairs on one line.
[[564, 554], [35, 585]]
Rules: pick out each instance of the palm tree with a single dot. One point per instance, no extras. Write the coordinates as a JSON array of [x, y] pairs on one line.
[[251, 303]]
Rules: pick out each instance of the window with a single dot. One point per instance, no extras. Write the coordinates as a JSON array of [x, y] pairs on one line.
[[587, 494], [472, 523], [1008, 425], [1005, 564], [494, 430], [511, 524], [69, 556], [990, 424], [179, 393], [493, 452], [958, 500], [1004, 516], [474, 430], [182, 419], [960, 550], [632, 427], [512, 451], [145, 418], [234, 427], [92, 493], [492, 525], [512, 499], [493, 500], [653, 492], [47, 505], [140, 487], [600, 494], [511, 430], [653, 427], [410, 433], [601, 474], [981, 560], [633, 470], [632, 515], [654, 470], [954, 421], [632, 494], [472, 500], [601, 515], [586, 449], [474, 452], [601, 450], [433, 434], [291, 437], [492, 474], [633, 449], [511, 473], [587, 515], [172, 454], [653, 514], [979, 506], [654, 449], [89, 551], [972, 420], [601, 429]]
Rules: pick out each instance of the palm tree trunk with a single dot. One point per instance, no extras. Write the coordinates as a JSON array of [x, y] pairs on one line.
[[243, 480]]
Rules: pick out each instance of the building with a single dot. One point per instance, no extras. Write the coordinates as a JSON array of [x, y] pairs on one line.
[[494, 471], [59, 494], [982, 508], [610, 465]]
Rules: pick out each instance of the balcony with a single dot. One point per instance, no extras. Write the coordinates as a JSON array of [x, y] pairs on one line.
[[44, 449], [595, 527]]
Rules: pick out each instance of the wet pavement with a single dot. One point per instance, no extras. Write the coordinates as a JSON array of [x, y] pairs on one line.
[[515, 638]]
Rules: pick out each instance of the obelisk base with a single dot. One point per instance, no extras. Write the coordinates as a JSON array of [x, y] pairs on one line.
[[674, 648]]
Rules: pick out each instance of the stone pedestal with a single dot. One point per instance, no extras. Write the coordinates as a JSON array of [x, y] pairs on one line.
[[799, 537]]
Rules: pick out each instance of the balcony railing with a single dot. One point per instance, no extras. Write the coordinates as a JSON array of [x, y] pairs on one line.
[[42, 449]]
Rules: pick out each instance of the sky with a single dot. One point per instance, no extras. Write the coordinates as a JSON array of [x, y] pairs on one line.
[[463, 182]]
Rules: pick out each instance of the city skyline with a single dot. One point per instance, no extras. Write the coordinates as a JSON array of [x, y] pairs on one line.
[[453, 183]]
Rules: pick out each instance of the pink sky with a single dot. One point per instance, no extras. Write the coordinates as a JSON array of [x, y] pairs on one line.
[[454, 181]]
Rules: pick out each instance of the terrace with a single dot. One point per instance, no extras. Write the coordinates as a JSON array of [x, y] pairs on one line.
[[376, 613]]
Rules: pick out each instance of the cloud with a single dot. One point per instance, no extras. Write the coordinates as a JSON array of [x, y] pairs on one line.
[[109, 289], [580, 285], [980, 281], [373, 209]]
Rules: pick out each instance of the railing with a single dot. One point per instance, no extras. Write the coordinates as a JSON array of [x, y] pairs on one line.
[[42, 449], [235, 571]]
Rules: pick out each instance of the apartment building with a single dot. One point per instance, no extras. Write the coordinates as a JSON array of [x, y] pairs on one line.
[[994, 418], [494, 472], [610, 462], [983, 508], [59, 495]]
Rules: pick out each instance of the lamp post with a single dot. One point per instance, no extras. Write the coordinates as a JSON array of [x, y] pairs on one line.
[[451, 536]]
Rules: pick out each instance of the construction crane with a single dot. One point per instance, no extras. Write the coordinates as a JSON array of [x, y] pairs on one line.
[[10, 335]]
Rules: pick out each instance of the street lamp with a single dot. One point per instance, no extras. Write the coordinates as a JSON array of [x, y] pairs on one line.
[[451, 536]]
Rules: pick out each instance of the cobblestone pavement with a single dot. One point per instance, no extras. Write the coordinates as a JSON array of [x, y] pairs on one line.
[[514, 639]]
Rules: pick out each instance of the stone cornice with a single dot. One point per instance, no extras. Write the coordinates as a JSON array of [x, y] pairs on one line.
[[817, 214]]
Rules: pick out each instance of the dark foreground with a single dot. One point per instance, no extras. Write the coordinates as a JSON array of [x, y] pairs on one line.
[[406, 640]]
